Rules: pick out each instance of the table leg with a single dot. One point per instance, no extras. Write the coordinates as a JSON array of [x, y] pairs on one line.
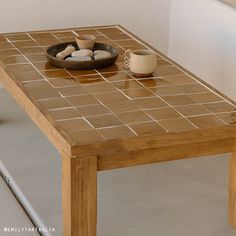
[[232, 190], [79, 195]]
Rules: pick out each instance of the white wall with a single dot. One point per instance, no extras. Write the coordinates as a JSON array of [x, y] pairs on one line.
[[139, 16], [203, 39]]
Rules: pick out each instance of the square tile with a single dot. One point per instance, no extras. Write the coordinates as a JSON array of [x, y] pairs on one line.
[[178, 100], [206, 121], [58, 73], [128, 84], [74, 90], [117, 76], [153, 82], [73, 124], [82, 100], [23, 44], [148, 128], [8, 52], [6, 45], [100, 87], [67, 113], [177, 125], [88, 136], [32, 50], [179, 79], [93, 110], [205, 97], [17, 68], [138, 93], [54, 103], [29, 76], [40, 90], [104, 121], [133, 117], [37, 57], [63, 82], [166, 70], [163, 113], [191, 110], [152, 102], [116, 132], [219, 107], [18, 37], [89, 79], [13, 59], [228, 118]]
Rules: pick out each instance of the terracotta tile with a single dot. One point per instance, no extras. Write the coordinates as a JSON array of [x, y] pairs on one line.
[[74, 90], [163, 113], [104, 121], [118, 36], [40, 90], [153, 82], [205, 97], [67, 113], [63, 82], [110, 31], [20, 68], [178, 100], [138, 93], [93, 110], [191, 110], [162, 62], [83, 100], [128, 43], [18, 37], [128, 84], [44, 39], [228, 118], [29, 76], [192, 88], [167, 90], [23, 44], [82, 72], [148, 128], [179, 79], [32, 50], [8, 52], [206, 121], [88, 136], [110, 68], [87, 31], [73, 124], [167, 71], [133, 117], [219, 107], [54, 103], [13, 59], [37, 57], [153, 102], [64, 34], [116, 132], [44, 66], [177, 125], [117, 76], [89, 79], [58, 73], [6, 45], [99, 87]]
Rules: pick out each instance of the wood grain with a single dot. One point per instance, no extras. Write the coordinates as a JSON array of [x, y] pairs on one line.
[[163, 154], [79, 195]]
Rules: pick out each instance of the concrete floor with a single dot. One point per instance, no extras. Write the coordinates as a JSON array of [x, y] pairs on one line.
[[11, 213], [180, 198]]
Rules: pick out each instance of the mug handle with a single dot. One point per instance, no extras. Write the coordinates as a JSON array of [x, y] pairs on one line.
[[127, 58]]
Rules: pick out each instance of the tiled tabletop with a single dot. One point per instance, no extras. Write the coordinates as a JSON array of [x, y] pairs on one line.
[[91, 106]]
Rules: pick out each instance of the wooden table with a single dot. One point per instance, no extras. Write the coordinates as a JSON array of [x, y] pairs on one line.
[[106, 119]]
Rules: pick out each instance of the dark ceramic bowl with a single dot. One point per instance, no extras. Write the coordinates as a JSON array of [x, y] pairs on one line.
[[81, 65]]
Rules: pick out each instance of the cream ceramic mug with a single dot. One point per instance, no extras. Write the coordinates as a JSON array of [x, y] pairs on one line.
[[141, 62]]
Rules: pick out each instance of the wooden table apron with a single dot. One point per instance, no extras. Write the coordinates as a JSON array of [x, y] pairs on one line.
[[80, 162]]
